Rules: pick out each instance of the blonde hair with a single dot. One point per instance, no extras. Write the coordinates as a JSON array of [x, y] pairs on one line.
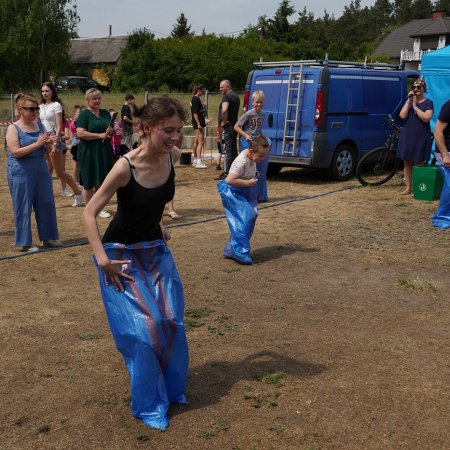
[[258, 95], [20, 99], [91, 92]]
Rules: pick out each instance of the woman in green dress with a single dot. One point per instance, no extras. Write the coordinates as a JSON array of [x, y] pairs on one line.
[[95, 156]]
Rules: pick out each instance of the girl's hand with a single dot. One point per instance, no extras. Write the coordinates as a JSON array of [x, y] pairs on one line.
[[113, 270], [252, 182], [165, 234]]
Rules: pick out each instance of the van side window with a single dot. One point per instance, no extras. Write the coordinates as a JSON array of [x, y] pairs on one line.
[[382, 94]]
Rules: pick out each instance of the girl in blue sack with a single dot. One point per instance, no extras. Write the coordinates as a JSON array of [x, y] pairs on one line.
[[239, 198], [140, 286], [249, 126]]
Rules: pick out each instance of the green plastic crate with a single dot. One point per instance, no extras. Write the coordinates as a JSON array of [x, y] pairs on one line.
[[427, 182]]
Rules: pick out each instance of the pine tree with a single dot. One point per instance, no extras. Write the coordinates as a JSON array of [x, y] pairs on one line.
[[181, 29]]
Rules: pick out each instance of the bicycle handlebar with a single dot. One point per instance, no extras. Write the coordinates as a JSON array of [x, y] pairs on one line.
[[393, 123]]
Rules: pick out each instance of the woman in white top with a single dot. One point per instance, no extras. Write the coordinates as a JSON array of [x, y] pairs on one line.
[[51, 117]]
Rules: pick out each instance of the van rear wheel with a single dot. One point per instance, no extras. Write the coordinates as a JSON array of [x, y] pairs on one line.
[[344, 162], [273, 169]]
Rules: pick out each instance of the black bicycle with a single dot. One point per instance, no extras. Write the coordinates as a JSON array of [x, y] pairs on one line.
[[379, 165]]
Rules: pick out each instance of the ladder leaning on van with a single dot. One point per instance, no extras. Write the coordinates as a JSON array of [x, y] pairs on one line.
[[293, 108], [294, 91]]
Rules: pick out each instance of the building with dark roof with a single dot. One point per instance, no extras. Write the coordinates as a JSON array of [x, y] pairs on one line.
[[409, 42], [97, 50], [97, 57]]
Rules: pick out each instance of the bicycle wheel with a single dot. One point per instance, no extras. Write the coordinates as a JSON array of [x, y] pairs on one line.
[[377, 167]]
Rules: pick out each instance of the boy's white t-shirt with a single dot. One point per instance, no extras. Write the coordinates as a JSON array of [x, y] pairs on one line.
[[243, 167], [47, 114]]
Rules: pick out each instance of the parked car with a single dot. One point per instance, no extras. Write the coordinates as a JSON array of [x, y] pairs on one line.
[[326, 114], [72, 83]]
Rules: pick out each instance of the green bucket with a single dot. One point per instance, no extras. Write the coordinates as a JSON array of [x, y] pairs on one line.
[[427, 182]]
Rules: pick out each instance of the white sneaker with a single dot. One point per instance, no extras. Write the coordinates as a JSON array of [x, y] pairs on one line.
[[200, 165], [66, 193], [194, 162], [78, 201], [30, 248], [104, 214]]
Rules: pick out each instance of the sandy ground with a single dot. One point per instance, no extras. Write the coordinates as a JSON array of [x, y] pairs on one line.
[[337, 337]]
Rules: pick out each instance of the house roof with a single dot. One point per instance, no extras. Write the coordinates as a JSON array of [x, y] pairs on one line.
[[97, 50], [434, 28], [400, 38]]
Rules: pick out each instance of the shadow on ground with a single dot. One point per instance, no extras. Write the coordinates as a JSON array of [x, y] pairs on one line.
[[264, 254], [218, 377]]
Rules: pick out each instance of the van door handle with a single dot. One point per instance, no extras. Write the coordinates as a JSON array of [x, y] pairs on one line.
[[270, 121]]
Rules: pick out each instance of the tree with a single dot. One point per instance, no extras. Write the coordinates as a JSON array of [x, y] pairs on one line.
[[278, 27], [35, 39], [381, 13], [442, 5], [402, 11], [181, 29], [150, 64], [422, 9], [139, 63]]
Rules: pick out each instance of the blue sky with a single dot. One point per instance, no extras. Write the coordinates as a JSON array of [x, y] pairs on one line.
[[215, 16]]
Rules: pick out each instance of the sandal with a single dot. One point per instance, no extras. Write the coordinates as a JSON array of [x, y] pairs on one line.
[[173, 215]]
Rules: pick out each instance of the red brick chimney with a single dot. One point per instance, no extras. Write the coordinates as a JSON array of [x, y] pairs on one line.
[[438, 15]]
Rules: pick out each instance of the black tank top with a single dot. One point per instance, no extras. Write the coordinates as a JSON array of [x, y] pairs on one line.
[[139, 210]]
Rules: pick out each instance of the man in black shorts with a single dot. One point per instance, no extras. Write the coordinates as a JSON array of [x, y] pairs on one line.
[[228, 116]]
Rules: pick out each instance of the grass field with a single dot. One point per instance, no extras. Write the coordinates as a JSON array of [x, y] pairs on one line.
[[115, 100]]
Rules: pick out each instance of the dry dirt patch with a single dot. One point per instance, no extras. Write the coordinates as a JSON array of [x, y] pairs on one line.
[[337, 337]]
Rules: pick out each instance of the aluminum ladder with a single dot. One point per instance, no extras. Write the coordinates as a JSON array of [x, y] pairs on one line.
[[293, 108]]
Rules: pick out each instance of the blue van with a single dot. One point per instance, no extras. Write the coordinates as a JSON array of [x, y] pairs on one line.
[[337, 111]]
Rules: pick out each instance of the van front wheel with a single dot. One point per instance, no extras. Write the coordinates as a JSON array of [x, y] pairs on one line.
[[344, 162]]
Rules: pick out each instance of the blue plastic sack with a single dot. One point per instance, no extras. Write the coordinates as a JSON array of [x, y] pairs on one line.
[[240, 205], [261, 167], [146, 321], [441, 218]]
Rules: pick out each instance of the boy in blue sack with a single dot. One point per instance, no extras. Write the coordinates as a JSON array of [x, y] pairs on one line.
[[249, 126], [239, 198]]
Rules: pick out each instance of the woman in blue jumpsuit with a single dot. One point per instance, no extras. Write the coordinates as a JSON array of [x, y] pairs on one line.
[[29, 181]]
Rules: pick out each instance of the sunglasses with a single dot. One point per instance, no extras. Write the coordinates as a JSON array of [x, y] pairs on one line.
[[417, 87], [31, 108]]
